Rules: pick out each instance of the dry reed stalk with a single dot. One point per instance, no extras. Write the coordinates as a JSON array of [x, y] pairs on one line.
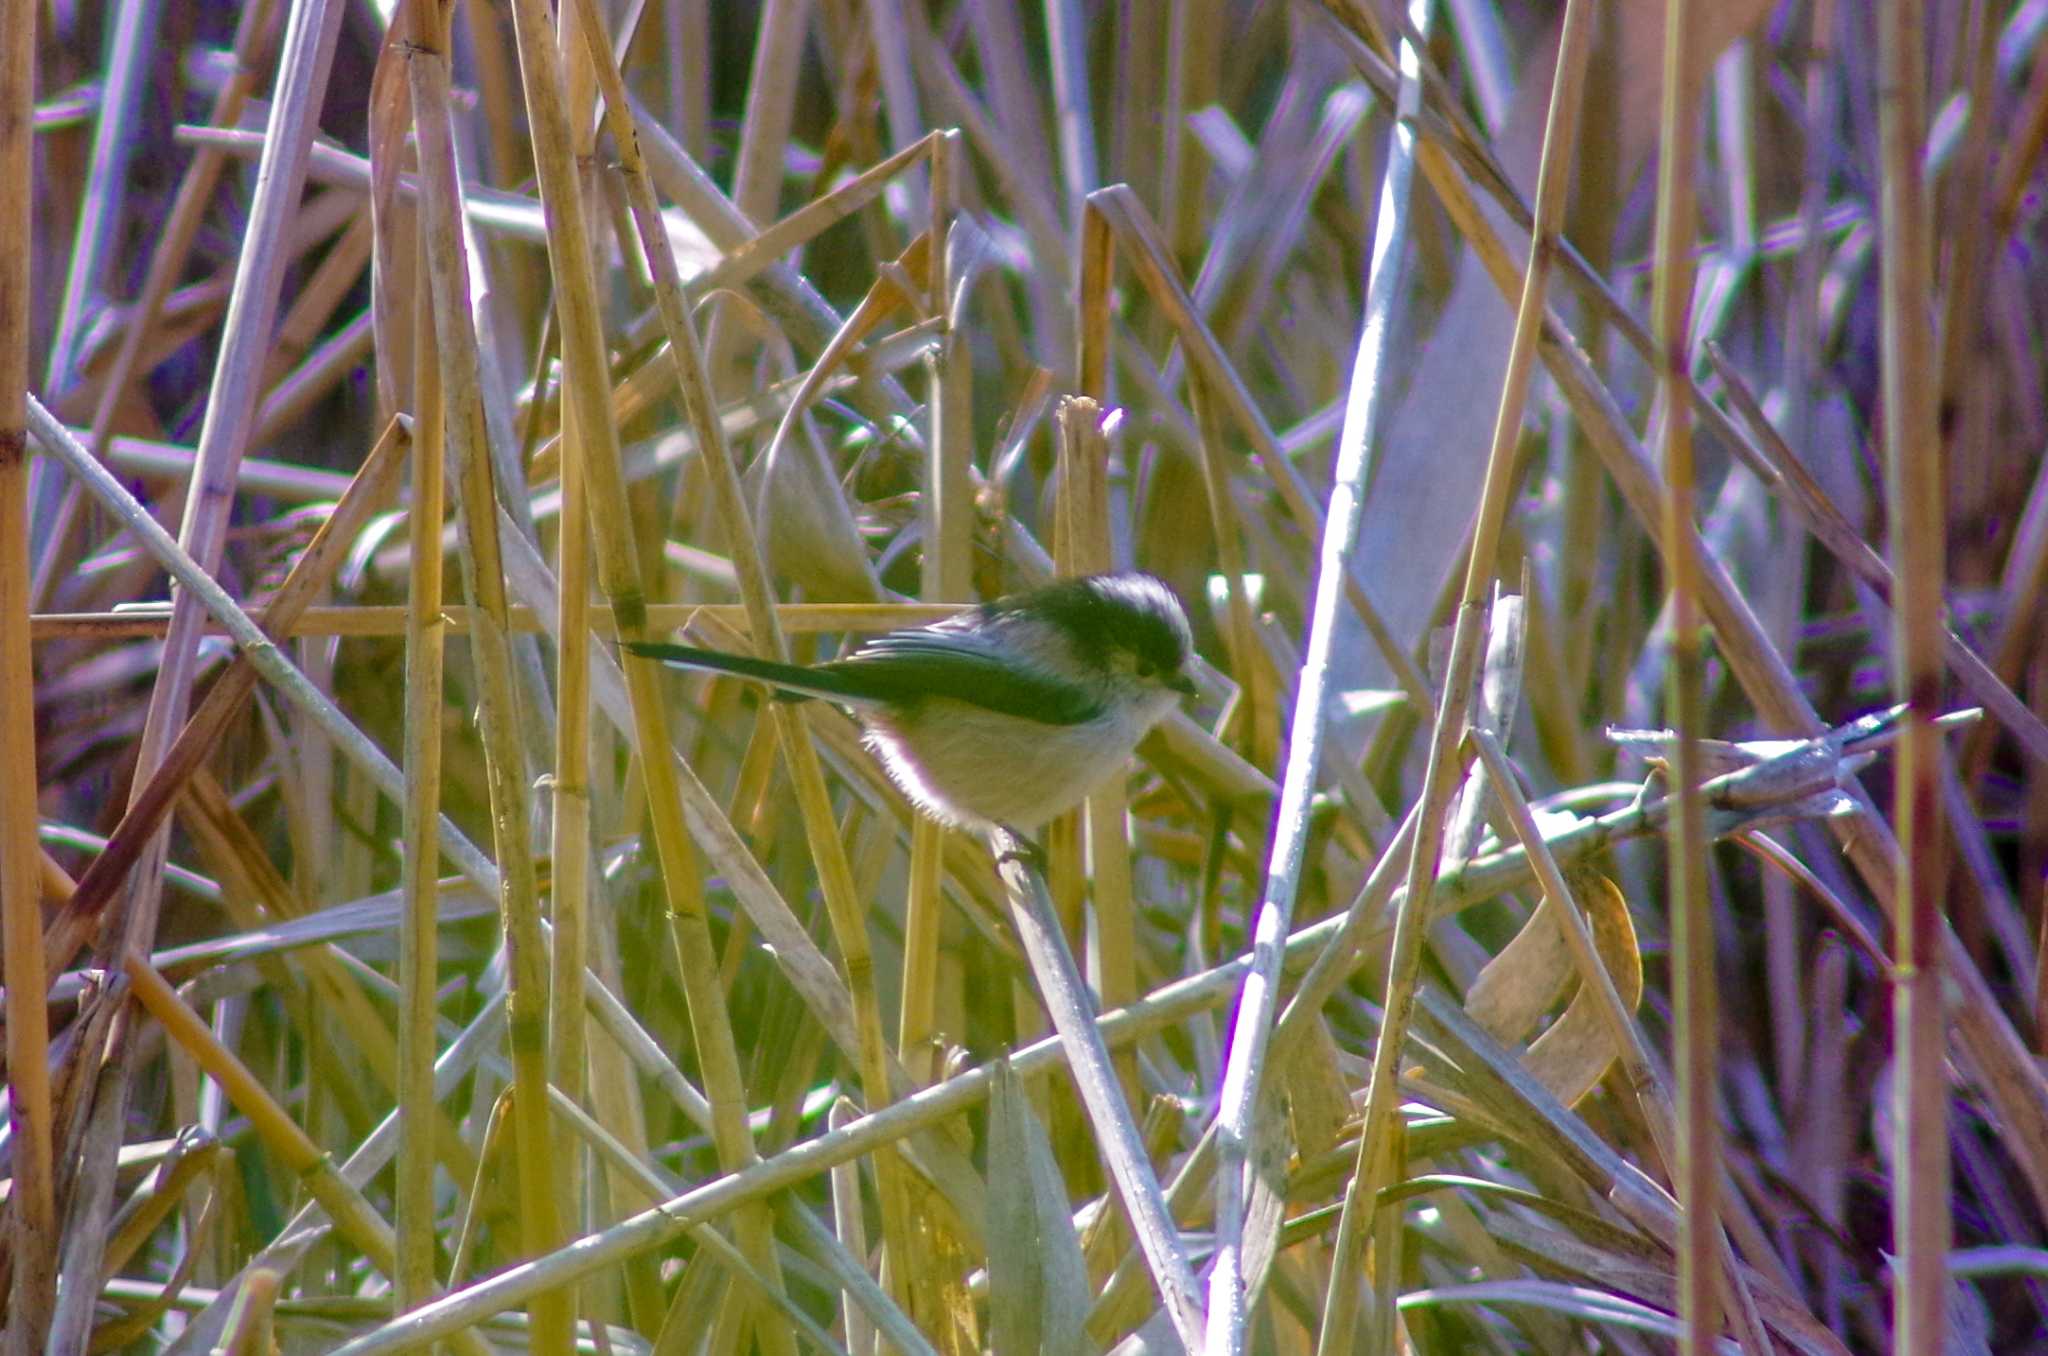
[[483, 577], [1085, 526], [575, 873], [947, 575], [1259, 1008], [1916, 495], [425, 645], [1066, 1000], [30, 1219], [1695, 1158]]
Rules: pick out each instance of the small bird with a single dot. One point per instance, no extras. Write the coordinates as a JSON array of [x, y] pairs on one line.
[[1005, 715]]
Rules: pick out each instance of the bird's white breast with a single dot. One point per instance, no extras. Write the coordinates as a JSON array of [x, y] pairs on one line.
[[971, 767]]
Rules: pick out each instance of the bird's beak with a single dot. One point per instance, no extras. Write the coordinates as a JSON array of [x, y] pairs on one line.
[[1184, 685]]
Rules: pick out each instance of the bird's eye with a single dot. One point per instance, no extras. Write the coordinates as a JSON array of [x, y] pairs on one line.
[[1146, 668]]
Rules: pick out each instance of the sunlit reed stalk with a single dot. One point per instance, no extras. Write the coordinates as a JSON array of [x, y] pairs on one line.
[[1065, 996], [573, 882], [1085, 517], [1236, 1120]]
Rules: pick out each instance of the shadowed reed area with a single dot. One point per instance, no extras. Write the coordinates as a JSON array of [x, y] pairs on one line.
[[1591, 898]]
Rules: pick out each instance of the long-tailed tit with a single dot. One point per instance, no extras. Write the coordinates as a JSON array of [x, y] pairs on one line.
[[1007, 714]]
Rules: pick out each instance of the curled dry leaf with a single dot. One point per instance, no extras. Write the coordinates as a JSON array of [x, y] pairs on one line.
[[1534, 970]]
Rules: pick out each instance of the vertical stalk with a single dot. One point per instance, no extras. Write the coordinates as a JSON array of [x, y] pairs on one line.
[[569, 788], [419, 931], [1696, 1172], [1914, 489], [1067, 54], [948, 577], [483, 578], [1084, 429], [771, 103], [34, 1242], [569, 845]]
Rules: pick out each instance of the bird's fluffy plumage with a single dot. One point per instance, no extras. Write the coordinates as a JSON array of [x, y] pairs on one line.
[[1009, 713]]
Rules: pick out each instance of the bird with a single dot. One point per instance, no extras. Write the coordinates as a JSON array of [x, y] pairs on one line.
[[1005, 715]]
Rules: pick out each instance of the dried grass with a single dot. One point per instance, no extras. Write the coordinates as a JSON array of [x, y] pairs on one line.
[[424, 972]]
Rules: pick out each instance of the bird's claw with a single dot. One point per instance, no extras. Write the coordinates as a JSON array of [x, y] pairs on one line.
[[1022, 849]]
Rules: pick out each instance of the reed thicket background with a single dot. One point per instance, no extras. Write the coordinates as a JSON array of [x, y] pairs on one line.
[[355, 977]]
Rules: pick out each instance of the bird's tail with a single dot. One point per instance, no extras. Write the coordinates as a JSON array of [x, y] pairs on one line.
[[791, 682]]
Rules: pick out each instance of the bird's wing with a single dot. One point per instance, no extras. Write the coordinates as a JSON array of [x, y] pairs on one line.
[[906, 665]]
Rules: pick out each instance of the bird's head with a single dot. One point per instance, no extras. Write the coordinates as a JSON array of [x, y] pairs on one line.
[[1126, 632]]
